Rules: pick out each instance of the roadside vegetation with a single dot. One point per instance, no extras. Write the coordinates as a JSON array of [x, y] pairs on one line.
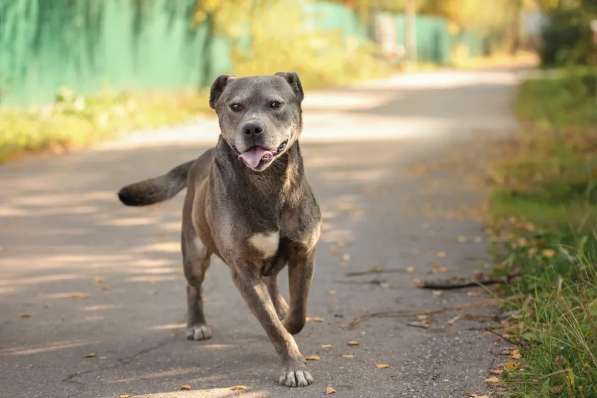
[[544, 210], [75, 121]]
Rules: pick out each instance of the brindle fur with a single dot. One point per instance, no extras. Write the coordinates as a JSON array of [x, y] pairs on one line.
[[227, 204]]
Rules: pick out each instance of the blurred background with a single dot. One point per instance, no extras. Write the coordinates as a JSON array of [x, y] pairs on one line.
[[100, 66]]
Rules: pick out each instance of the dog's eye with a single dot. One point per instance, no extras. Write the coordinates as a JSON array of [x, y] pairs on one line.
[[275, 104], [236, 107]]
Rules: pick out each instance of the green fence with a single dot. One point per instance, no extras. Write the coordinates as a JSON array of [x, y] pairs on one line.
[[97, 44], [434, 42], [90, 45]]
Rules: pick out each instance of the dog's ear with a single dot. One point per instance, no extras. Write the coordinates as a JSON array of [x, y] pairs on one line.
[[217, 87], [295, 83]]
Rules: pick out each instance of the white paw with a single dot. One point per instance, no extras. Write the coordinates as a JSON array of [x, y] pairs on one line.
[[198, 332], [295, 376]]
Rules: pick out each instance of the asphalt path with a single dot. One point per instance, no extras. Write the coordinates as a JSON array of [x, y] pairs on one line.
[[92, 297]]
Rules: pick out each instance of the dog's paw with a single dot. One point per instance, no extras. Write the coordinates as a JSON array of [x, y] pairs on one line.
[[198, 332], [295, 376]]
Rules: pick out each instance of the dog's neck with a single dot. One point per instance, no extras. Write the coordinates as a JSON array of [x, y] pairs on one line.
[[277, 182]]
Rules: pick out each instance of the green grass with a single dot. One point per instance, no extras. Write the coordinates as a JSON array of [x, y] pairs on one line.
[[544, 209], [76, 121]]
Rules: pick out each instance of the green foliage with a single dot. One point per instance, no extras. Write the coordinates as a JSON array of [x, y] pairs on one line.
[[321, 57], [75, 121], [545, 207], [567, 37]]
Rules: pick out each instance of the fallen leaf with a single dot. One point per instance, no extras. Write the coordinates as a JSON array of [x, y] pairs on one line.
[[90, 355], [492, 380], [312, 358], [425, 324], [330, 390], [326, 346], [347, 356], [515, 354], [314, 319], [185, 387], [548, 253], [124, 396], [511, 365], [382, 365], [238, 387], [353, 343]]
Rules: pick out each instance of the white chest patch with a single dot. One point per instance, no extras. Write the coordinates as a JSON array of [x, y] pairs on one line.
[[266, 243]]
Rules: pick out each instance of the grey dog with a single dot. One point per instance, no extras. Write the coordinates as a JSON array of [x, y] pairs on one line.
[[249, 203]]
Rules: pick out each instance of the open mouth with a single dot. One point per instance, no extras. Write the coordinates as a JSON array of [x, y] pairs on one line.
[[257, 156]]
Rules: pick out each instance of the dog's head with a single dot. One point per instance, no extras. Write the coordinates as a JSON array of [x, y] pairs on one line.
[[260, 117]]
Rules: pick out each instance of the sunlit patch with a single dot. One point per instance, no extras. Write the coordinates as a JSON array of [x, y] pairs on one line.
[[52, 346], [37, 280], [231, 391], [151, 278], [99, 307], [157, 375], [148, 263], [11, 212], [68, 295], [131, 221], [166, 247], [7, 290], [168, 326]]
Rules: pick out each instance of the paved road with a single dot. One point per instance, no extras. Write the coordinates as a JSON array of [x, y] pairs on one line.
[[92, 293]]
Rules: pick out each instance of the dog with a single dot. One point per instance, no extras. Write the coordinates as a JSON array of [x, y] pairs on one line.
[[249, 203]]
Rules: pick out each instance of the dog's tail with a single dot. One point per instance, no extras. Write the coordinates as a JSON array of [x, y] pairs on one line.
[[156, 189]]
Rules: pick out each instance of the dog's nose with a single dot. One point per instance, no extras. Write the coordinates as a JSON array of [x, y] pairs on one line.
[[252, 129]]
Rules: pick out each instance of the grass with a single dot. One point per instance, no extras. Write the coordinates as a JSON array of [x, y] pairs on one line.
[[75, 121], [544, 209]]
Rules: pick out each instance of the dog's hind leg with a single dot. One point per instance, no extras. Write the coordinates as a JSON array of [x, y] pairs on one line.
[[195, 261]]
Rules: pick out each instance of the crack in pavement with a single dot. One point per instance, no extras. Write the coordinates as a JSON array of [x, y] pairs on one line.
[[119, 363]]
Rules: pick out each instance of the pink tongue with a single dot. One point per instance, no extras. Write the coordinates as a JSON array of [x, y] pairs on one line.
[[253, 156]]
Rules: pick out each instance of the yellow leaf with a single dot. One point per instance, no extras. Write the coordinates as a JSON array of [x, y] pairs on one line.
[[326, 346], [314, 319], [347, 356], [312, 358], [239, 387], [492, 380], [353, 343], [548, 253], [382, 365], [511, 365], [515, 354], [90, 355], [124, 396], [185, 387], [330, 390]]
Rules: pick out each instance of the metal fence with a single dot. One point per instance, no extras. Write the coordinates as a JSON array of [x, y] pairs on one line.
[[145, 44]]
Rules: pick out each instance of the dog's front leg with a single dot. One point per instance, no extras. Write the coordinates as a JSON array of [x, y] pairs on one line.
[[255, 292], [300, 273]]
